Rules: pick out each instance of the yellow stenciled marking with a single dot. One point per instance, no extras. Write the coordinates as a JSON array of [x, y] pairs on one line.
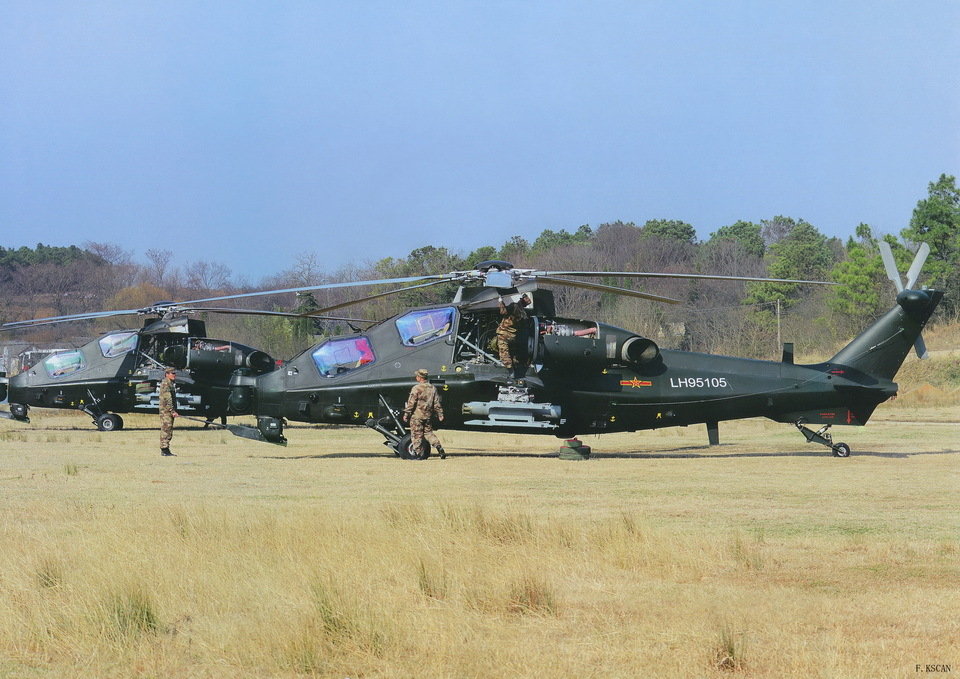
[[613, 418], [659, 416], [356, 414], [443, 368], [446, 387]]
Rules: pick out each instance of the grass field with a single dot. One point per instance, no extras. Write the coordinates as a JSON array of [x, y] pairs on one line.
[[658, 557]]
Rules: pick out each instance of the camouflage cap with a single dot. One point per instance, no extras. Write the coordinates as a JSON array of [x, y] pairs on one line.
[[171, 369], [421, 373]]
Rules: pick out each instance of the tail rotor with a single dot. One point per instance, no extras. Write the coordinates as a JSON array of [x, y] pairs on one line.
[[886, 254]]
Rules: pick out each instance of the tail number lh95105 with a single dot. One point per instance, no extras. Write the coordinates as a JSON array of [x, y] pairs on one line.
[[698, 382]]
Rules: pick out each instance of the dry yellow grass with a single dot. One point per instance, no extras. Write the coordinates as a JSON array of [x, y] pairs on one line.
[[764, 557]]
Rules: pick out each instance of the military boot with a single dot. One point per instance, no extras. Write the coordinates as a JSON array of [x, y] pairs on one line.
[[441, 452], [166, 452]]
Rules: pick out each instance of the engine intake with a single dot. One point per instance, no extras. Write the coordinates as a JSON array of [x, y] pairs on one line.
[[639, 350]]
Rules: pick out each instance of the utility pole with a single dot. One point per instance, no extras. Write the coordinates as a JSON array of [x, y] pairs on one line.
[[779, 342]]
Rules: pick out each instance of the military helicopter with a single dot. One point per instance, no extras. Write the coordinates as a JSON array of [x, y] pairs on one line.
[[119, 372], [583, 376]]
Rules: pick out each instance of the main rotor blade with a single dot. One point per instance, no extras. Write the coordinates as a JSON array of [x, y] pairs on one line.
[[886, 254], [16, 325], [326, 286], [600, 287], [177, 306], [914, 272], [692, 276], [371, 297], [263, 312]]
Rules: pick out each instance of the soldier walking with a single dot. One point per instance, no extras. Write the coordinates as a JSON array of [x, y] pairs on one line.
[[512, 318], [168, 411], [422, 404]]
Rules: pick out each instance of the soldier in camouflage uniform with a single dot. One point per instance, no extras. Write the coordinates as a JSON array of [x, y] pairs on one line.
[[512, 318], [168, 403], [422, 404]]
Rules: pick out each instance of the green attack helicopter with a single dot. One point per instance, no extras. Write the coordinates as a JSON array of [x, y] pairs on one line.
[[120, 371], [583, 376]]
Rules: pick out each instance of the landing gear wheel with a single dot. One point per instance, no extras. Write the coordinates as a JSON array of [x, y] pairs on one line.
[[403, 449], [109, 422], [841, 450]]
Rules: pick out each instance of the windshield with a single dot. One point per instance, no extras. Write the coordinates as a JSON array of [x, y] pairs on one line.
[[64, 363], [118, 343], [419, 327], [341, 355]]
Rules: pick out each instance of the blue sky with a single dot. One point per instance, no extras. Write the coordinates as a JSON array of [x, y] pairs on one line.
[[247, 132]]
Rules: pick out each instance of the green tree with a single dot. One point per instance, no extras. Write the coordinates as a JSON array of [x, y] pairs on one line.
[[548, 239], [936, 221], [672, 229], [862, 293], [515, 250], [45, 254], [747, 234], [481, 254], [304, 328], [803, 253], [424, 261], [776, 229]]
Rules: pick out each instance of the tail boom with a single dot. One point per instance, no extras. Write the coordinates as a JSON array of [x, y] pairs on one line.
[[880, 350]]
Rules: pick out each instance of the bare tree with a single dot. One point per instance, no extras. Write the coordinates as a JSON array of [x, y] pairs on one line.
[[120, 270], [64, 288], [159, 265], [203, 276]]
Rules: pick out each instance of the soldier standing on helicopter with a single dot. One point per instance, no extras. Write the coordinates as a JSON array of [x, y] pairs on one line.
[[422, 404], [168, 411], [512, 319]]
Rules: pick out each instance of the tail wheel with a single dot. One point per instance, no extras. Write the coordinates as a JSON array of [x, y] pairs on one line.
[[109, 422], [403, 449], [841, 450]]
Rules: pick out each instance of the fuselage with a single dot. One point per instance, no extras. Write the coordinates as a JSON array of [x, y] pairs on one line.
[[595, 378], [120, 371]]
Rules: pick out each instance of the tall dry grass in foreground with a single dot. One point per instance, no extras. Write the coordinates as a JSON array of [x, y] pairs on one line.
[[761, 558]]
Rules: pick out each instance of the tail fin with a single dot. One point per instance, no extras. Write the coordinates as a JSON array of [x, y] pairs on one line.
[[881, 349]]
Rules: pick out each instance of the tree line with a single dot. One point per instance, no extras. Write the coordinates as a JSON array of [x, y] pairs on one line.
[[721, 317]]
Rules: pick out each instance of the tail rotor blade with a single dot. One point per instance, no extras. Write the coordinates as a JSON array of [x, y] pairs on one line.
[[918, 261], [920, 347], [886, 254]]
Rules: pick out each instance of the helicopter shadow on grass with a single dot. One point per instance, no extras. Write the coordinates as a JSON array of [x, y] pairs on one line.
[[87, 429], [682, 453]]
